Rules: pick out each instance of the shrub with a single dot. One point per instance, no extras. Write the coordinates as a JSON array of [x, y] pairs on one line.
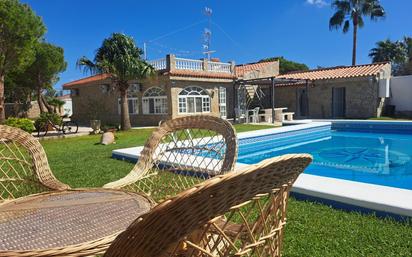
[[21, 123], [44, 117], [107, 127]]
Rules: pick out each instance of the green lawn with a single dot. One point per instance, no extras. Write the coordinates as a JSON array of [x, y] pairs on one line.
[[312, 229], [390, 118]]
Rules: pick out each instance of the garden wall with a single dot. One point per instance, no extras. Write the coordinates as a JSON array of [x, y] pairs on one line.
[[401, 95]]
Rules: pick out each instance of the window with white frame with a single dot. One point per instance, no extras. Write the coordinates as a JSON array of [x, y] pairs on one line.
[[154, 101], [133, 104], [132, 101], [194, 100], [222, 102]]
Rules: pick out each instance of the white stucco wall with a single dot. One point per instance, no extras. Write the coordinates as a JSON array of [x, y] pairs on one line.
[[68, 107], [401, 93]]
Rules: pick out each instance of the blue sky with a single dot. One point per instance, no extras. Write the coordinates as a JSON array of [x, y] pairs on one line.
[[243, 31]]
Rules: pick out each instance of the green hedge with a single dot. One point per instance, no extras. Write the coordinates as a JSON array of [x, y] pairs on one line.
[[22, 123]]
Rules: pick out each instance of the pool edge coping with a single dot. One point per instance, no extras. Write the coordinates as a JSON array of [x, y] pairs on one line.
[[376, 198]]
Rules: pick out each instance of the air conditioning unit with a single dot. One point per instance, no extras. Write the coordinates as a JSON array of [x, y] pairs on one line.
[[384, 87]]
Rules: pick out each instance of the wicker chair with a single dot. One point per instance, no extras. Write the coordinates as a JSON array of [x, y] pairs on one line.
[[24, 169], [238, 214], [181, 153]]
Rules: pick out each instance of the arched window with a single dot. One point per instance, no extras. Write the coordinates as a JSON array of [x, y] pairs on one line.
[[194, 100], [154, 101]]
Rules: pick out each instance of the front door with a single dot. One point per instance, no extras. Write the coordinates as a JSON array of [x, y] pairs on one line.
[[338, 102], [302, 102]]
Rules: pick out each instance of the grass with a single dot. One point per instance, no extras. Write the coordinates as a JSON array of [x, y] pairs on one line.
[[312, 229], [389, 118]]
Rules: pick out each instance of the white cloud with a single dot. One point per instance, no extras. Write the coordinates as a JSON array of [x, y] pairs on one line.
[[317, 3]]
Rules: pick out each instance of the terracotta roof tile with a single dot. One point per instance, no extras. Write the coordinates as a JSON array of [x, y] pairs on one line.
[[365, 70], [87, 80], [240, 70]]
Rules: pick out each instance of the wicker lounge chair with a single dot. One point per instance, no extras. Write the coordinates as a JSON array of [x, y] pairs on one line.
[[40, 216], [181, 153], [216, 218], [24, 168]]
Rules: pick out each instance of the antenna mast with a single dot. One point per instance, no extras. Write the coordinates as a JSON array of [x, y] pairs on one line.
[[207, 34]]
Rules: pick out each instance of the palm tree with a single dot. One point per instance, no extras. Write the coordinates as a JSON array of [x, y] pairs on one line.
[[121, 59], [388, 51], [352, 11]]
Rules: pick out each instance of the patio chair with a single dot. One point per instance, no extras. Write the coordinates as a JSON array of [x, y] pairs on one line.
[[179, 154], [238, 214], [253, 115], [24, 169]]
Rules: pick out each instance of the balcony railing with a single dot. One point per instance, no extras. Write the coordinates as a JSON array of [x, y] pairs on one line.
[[188, 64], [173, 63], [219, 67], [159, 64]]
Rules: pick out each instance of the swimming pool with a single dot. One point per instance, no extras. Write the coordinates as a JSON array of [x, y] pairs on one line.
[[358, 165], [374, 158]]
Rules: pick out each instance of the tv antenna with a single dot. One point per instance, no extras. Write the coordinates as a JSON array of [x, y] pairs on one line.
[[207, 33]]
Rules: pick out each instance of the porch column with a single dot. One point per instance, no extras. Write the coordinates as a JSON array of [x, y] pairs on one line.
[[235, 101], [307, 98]]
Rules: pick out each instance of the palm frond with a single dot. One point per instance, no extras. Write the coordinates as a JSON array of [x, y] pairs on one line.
[[346, 26], [87, 65], [389, 51], [336, 20], [342, 5], [373, 8], [361, 23]]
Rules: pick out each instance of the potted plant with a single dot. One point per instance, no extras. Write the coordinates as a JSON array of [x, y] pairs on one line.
[[95, 125], [95, 109]]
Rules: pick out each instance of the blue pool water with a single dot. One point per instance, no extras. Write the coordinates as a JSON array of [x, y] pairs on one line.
[[376, 158]]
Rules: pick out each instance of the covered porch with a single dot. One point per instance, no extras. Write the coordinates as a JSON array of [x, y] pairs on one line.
[[255, 100]]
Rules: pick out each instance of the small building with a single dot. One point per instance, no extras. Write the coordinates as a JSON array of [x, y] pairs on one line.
[[339, 92], [182, 87]]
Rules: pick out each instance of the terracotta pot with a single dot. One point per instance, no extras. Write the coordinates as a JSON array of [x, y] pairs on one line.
[[95, 124]]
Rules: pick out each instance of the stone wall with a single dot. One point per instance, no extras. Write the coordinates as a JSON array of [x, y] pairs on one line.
[[213, 90], [286, 97], [361, 98], [16, 110], [92, 103], [265, 71]]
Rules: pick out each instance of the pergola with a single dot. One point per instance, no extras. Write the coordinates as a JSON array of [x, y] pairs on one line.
[[267, 82]]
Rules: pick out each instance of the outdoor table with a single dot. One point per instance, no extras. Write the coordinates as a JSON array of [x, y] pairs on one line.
[[66, 223]]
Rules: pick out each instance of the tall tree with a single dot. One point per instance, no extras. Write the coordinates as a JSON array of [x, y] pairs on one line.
[[285, 65], [18, 90], [408, 45], [397, 52], [20, 28], [122, 60], [352, 12], [44, 71], [388, 51]]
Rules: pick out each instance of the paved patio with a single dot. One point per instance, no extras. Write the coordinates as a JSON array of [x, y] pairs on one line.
[[56, 134]]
